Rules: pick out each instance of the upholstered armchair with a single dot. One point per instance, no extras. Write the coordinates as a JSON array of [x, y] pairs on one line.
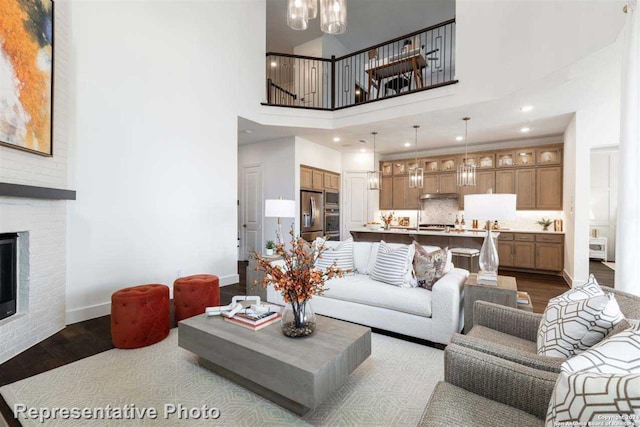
[[484, 390], [511, 334]]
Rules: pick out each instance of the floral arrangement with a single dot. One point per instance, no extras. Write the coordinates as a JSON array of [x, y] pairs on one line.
[[545, 223], [299, 279], [387, 218]]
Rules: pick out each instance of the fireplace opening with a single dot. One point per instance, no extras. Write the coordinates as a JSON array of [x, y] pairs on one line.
[[8, 274]]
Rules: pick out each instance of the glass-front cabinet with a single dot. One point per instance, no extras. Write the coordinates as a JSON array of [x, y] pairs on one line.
[[505, 159], [549, 156], [525, 157]]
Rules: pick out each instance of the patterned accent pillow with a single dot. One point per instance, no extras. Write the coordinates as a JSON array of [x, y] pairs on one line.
[[601, 384], [342, 254], [429, 267], [569, 328], [619, 354], [589, 398], [393, 266], [590, 289]]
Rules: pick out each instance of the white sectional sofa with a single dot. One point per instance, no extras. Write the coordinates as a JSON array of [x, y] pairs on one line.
[[431, 315]]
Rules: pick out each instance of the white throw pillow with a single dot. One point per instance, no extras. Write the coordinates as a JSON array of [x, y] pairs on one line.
[[569, 328], [393, 266], [589, 398], [619, 354], [601, 384], [587, 290], [361, 255], [339, 252]]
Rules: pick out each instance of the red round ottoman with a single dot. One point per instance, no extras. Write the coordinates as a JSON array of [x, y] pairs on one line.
[[192, 294], [140, 316]]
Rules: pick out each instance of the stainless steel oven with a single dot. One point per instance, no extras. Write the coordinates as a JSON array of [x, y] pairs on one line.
[[332, 199], [332, 223]]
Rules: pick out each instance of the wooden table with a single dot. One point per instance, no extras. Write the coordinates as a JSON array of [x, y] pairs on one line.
[[296, 373], [411, 61], [505, 293]]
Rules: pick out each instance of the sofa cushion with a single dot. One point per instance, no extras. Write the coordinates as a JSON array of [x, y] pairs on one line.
[[361, 255], [569, 328], [340, 253], [361, 289], [393, 265], [428, 267]]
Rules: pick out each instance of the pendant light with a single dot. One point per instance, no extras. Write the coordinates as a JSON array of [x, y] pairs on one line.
[[374, 177], [297, 14], [416, 178], [466, 171], [312, 5], [333, 16]]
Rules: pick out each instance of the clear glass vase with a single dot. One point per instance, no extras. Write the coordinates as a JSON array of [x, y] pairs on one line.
[[298, 320]]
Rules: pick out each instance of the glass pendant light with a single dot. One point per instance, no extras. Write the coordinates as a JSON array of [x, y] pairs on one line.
[[374, 178], [416, 177], [333, 16], [312, 6], [466, 171], [297, 14]]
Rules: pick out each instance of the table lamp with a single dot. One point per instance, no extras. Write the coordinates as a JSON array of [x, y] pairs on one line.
[[279, 208], [490, 207]]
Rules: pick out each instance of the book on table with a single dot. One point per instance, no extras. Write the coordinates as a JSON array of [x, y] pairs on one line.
[[254, 321], [523, 298]]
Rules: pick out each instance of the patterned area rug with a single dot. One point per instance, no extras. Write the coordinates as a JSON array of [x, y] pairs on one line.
[[390, 388]]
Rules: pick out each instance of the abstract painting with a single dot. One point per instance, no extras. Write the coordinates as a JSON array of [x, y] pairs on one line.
[[26, 75]]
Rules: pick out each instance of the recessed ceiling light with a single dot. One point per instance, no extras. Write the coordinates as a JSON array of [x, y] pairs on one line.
[[407, 144], [526, 108], [459, 138], [336, 139], [525, 129], [363, 150], [274, 64]]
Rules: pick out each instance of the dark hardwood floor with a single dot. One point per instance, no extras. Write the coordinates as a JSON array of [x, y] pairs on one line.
[[91, 337], [604, 275]]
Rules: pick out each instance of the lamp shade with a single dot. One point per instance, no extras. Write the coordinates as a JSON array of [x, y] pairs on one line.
[[278, 208], [490, 207]]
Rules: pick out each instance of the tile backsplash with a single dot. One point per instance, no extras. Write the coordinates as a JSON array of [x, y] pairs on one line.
[[444, 211]]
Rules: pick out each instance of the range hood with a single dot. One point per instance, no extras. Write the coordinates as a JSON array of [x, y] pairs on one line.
[[432, 196]]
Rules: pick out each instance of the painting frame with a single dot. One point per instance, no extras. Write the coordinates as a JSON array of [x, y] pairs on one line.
[[50, 98]]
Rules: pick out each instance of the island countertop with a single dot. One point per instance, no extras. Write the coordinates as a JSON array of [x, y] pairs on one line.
[[411, 232]]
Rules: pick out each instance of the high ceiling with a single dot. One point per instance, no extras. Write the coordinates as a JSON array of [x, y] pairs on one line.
[[369, 22]]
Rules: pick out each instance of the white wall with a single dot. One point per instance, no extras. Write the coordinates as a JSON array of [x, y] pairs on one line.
[[603, 200], [568, 202], [41, 223], [159, 86], [277, 160]]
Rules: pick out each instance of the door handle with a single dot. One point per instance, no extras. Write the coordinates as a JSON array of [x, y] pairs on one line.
[[244, 225]]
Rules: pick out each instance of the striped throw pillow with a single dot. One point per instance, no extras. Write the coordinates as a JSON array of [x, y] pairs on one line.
[[392, 265], [342, 254]]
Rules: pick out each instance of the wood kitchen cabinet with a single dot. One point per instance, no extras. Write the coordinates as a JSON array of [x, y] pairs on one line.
[[506, 181], [485, 181], [549, 252], [317, 180], [331, 181], [386, 193], [447, 183], [549, 188], [412, 200], [531, 251], [399, 197], [431, 183], [386, 168], [526, 189], [306, 178]]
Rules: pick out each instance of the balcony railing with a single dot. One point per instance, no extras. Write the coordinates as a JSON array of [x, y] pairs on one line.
[[415, 62]]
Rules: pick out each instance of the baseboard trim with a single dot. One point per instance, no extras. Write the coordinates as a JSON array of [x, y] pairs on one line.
[[99, 310], [568, 278]]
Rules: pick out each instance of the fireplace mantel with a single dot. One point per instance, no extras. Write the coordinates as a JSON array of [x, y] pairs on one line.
[[33, 192]]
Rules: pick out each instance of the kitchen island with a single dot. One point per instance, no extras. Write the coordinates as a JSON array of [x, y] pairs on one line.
[[451, 239]]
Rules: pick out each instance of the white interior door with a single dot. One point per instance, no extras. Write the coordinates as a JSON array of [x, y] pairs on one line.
[[251, 208], [355, 202]]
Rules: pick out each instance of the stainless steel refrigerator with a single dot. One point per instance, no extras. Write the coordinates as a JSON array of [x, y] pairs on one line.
[[311, 215]]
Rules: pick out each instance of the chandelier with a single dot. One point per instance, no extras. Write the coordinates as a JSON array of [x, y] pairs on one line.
[[374, 177], [416, 177], [466, 171], [333, 15]]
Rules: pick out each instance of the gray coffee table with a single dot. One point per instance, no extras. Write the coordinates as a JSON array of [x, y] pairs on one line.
[[296, 373]]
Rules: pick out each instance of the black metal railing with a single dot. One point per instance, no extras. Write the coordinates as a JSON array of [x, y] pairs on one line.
[[418, 61]]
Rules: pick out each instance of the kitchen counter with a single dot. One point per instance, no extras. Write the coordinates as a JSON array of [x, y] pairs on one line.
[[409, 231]]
